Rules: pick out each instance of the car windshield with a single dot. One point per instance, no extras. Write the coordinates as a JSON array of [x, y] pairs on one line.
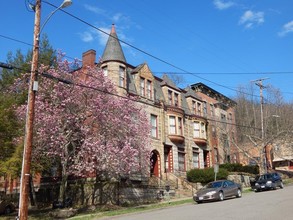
[[265, 176], [213, 185]]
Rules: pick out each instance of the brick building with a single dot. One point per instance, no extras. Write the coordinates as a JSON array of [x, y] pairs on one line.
[[190, 128]]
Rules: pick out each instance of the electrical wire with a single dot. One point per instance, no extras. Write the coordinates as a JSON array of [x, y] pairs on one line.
[[145, 52], [28, 44], [69, 82]]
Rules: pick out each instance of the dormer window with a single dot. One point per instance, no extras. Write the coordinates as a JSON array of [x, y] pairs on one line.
[[146, 88], [176, 102], [170, 99], [199, 108], [142, 87], [194, 107], [149, 89], [173, 98], [121, 76]]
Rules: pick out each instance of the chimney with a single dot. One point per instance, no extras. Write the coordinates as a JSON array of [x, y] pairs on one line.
[[89, 58]]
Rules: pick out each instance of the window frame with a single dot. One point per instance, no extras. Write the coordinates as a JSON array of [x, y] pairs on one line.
[[122, 76], [181, 160], [172, 126], [154, 127]]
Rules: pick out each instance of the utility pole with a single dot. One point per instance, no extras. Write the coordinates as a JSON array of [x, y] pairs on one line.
[[28, 141], [259, 83]]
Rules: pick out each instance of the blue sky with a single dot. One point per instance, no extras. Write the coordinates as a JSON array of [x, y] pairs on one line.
[[222, 43]]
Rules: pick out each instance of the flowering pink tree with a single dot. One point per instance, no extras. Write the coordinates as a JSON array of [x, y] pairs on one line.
[[84, 126]]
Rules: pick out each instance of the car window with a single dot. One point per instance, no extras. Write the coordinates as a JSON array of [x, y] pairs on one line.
[[269, 176], [214, 185], [230, 183]]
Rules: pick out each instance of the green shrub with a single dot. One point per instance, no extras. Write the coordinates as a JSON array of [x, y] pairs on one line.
[[236, 167], [205, 175]]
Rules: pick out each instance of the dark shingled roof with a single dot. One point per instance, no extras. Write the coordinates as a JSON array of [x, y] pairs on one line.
[[113, 50]]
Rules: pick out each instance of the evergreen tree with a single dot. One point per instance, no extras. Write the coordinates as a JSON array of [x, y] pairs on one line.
[[13, 95]]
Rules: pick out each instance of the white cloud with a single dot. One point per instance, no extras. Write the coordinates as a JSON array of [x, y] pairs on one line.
[[221, 5], [249, 19], [287, 28], [102, 37], [93, 35], [94, 9], [86, 36], [117, 17]]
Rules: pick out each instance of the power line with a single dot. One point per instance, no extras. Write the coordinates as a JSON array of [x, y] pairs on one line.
[[173, 73], [69, 82], [179, 73], [140, 50], [28, 44], [127, 98]]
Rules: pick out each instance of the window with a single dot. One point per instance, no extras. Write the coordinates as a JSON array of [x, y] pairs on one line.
[[205, 111], [149, 89], [212, 110], [173, 98], [175, 125], [216, 155], [199, 130], [172, 124], [203, 130], [170, 99], [180, 130], [105, 71], [154, 125], [146, 88], [176, 102], [121, 76], [223, 117], [181, 160], [199, 108], [194, 107], [214, 131], [142, 87], [196, 130], [230, 117], [195, 157]]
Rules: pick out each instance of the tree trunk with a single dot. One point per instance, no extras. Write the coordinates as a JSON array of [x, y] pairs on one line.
[[32, 192], [63, 185], [261, 161]]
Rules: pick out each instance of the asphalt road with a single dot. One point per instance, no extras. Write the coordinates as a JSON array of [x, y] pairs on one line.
[[275, 204]]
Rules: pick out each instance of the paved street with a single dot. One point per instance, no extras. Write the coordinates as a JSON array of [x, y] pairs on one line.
[[261, 206]]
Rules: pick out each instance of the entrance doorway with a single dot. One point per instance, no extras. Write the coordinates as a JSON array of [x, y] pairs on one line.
[[155, 163]]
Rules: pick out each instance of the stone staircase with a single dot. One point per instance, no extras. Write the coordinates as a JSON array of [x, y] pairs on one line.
[[179, 187]]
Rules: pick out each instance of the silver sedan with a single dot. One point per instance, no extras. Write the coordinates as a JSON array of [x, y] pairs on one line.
[[218, 190]]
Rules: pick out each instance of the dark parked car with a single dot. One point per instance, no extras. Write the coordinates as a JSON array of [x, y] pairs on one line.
[[6, 206], [268, 181], [218, 190]]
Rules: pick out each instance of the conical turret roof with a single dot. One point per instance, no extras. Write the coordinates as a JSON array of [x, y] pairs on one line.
[[113, 50]]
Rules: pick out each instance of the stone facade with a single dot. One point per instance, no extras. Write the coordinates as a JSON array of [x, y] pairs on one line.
[[190, 128]]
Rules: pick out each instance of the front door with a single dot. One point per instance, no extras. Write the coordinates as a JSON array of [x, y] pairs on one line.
[[168, 159], [155, 164]]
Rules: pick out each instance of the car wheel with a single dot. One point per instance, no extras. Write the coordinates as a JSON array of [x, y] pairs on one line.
[[199, 202], [7, 210], [281, 185], [239, 193], [221, 196]]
